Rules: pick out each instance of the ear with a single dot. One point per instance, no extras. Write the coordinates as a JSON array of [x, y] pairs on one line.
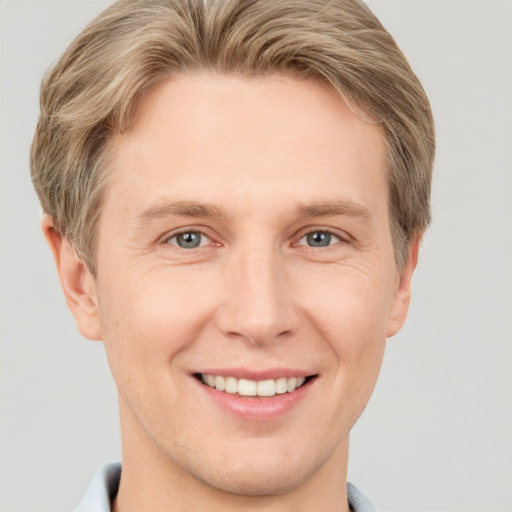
[[402, 298], [77, 282]]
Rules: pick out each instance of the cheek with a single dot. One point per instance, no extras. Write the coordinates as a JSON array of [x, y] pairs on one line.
[[358, 342], [350, 311], [146, 323], [348, 304]]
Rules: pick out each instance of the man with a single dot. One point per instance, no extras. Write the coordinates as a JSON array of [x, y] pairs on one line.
[[235, 194]]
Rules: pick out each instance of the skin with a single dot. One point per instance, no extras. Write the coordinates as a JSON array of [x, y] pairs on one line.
[[275, 159]]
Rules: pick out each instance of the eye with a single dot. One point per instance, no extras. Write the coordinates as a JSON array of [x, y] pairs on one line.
[[189, 240], [319, 239]]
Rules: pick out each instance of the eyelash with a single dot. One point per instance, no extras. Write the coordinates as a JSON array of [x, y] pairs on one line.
[[323, 232], [187, 232], [316, 231]]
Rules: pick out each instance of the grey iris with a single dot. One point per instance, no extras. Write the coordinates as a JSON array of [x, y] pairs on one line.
[[318, 239], [189, 240]]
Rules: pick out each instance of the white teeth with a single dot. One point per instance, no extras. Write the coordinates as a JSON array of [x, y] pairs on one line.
[[231, 385], [220, 383], [281, 385], [290, 386], [267, 387], [246, 387]]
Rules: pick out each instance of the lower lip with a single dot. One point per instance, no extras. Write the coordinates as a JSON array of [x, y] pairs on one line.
[[258, 408]]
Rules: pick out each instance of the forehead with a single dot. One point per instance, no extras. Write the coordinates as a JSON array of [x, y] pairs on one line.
[[201, 136]]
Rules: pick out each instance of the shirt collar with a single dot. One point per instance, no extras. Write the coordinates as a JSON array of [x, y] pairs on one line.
[[102, 489]]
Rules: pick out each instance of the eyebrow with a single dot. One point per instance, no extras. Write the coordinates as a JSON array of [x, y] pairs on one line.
[[332, 208], [192, 209], [181, 209]]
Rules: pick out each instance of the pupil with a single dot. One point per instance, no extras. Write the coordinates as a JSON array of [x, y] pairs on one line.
[[319, 239], [189, 240]]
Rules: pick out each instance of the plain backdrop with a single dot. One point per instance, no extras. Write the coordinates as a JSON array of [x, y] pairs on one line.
[[437, 435]]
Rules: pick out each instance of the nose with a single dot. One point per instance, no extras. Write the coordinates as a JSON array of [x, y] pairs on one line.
[[258, 304]]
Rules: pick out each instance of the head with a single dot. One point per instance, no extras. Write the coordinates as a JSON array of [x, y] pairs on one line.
[[240, 189]]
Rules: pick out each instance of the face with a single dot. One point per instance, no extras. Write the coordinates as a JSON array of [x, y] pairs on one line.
[[244, 248]]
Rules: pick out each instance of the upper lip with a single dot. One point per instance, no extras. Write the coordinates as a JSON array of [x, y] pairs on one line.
[[257, 375]]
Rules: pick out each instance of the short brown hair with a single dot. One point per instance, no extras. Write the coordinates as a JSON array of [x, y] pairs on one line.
[[94, 89]]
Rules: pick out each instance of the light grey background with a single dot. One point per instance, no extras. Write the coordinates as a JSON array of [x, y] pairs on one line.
[[437, 435]]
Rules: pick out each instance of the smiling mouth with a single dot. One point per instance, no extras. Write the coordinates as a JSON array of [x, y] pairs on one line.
[[253, 388]]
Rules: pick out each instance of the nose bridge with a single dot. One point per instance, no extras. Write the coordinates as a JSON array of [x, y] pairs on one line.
[[259, 305]]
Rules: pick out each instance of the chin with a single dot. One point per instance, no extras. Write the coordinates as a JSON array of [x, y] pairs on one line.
[[252, 481], [260, 473]]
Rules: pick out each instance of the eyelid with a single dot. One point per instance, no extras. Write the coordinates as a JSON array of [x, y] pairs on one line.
[[166, 239], [202, 242], [342, 236]]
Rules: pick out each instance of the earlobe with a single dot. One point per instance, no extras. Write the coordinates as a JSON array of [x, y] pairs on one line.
[[77, 282], [402, 298]]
